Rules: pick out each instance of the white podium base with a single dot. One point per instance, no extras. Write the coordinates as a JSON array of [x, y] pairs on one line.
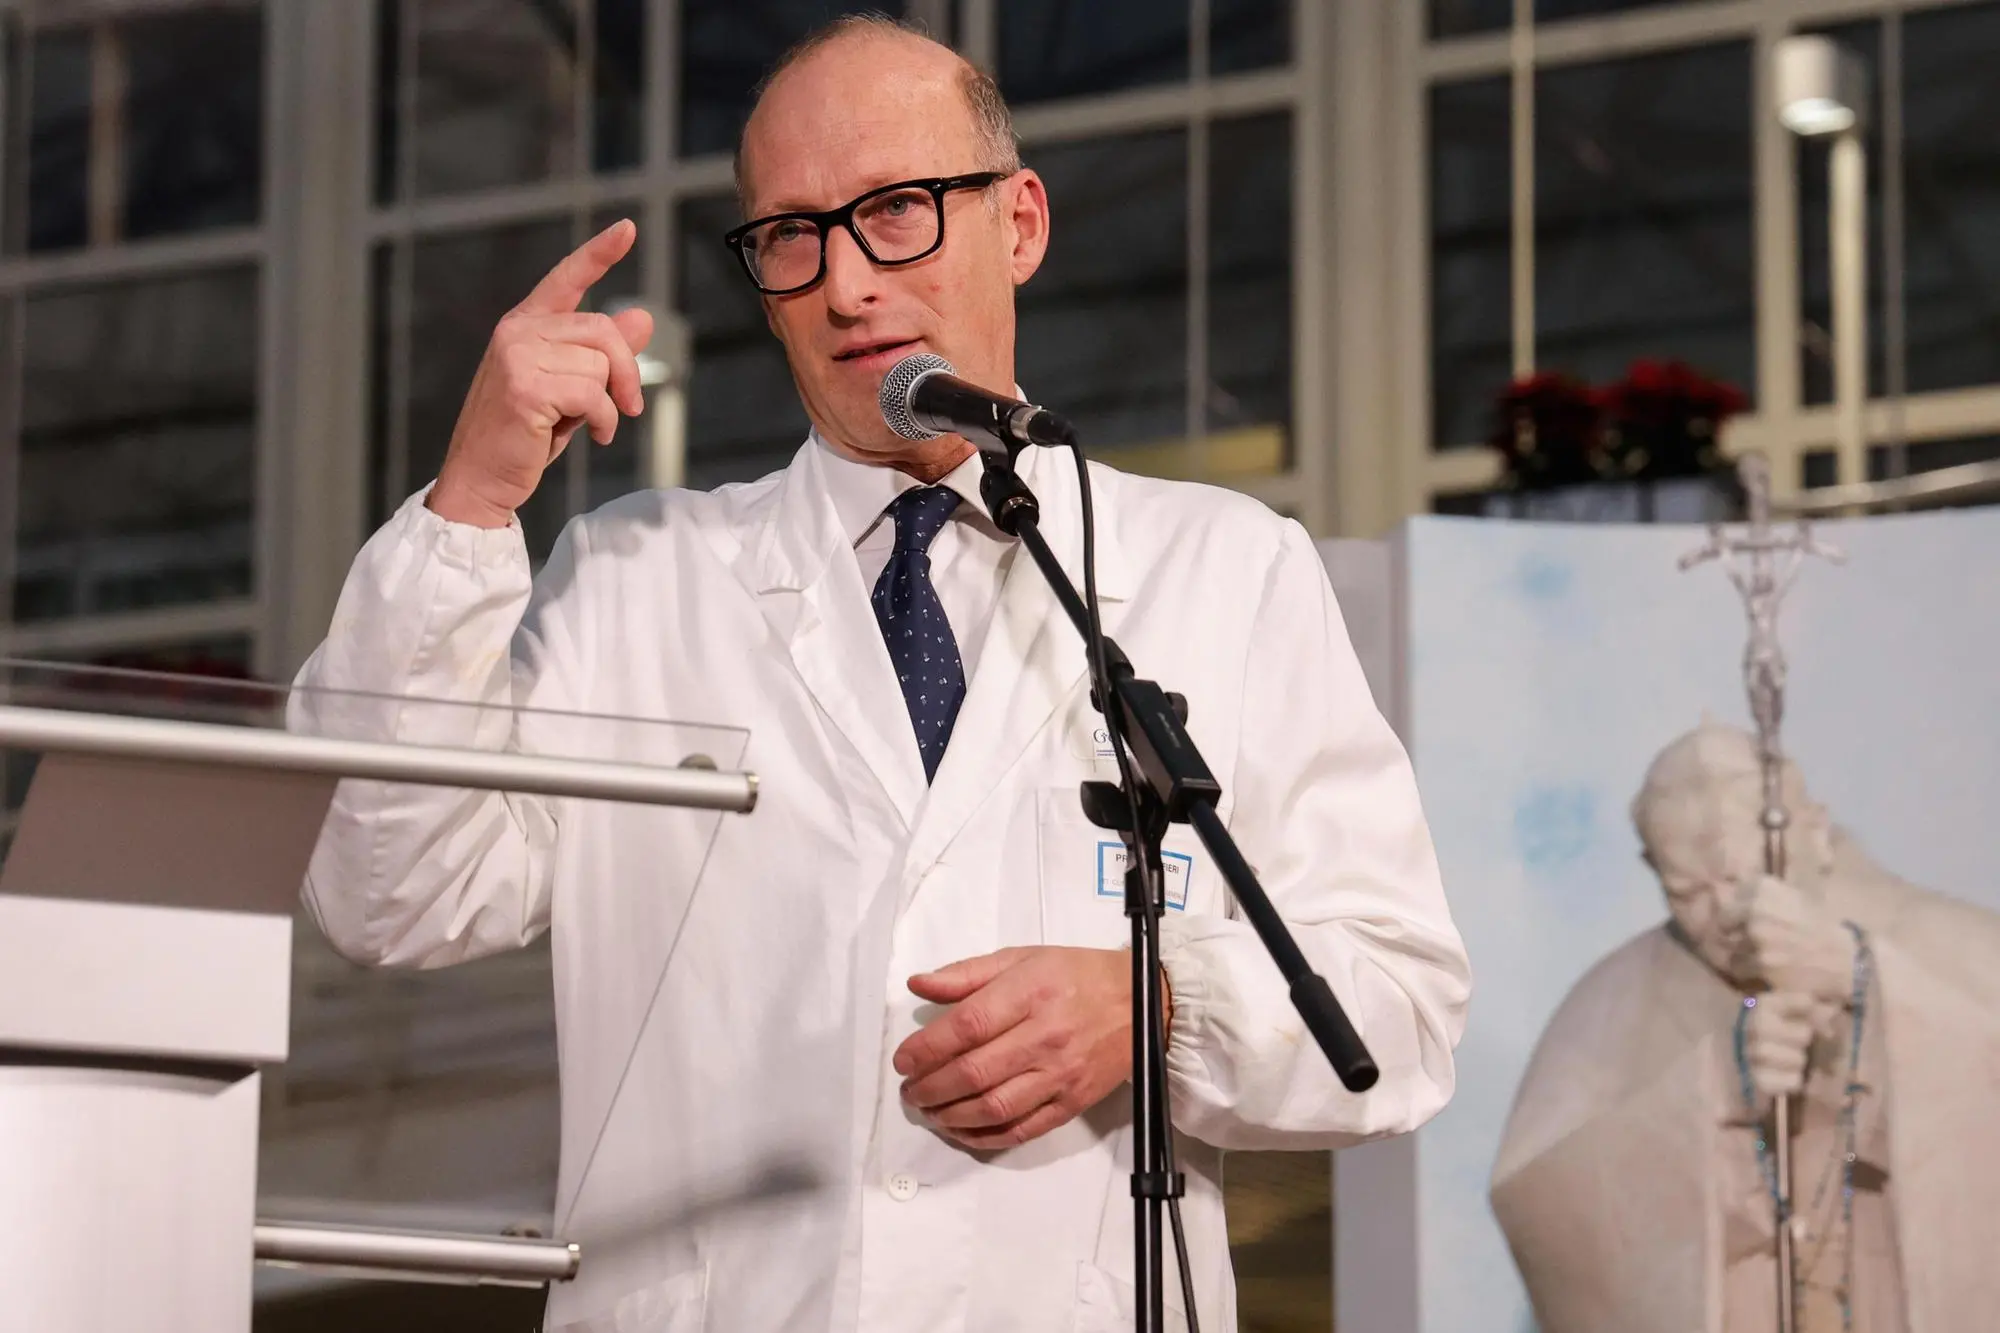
[[130, 1197]]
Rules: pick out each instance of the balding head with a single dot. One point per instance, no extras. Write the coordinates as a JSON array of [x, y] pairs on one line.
[[991, 123], [858, 107], [1699, 817]]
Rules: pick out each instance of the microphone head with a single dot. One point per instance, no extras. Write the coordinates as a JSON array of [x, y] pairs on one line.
[[900, 384]]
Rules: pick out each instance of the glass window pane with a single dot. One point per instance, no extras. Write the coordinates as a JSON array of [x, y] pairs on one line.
[[388, 86], [462, 284], [1643, 214], [1463, 18], [1547, 11], [1472, 282], [187, 135], [611, 470], [1930, 455], [194, 120], [385, 491], [148, 390], [620, 85], [1812, 158], [1103, 326], [1279, 1207], [496, 95], [1248, 34], [743, 413], [1067, 48], [1951, 103], [727, 46], [57, 87], [225, 657], [1250, 274]]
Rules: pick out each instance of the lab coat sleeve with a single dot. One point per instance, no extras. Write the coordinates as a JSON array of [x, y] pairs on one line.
[[440, 635], [1326, 809]]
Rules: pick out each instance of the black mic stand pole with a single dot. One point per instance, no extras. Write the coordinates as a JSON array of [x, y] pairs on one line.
[[1174, 786]]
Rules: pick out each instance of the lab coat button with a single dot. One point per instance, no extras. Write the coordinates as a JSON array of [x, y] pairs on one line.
[[902, 1187]]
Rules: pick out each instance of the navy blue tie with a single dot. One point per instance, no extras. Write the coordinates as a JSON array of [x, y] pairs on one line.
[[921, 645]]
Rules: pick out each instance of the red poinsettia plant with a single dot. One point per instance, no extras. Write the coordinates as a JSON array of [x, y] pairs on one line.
[[1665, 419], [1550, 430]]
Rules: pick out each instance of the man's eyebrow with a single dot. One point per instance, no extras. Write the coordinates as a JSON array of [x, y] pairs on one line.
[[873, 181]]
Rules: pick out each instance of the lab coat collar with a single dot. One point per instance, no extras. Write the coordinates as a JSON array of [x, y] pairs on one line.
[[1031, 661], [817, 512], [862, 491]]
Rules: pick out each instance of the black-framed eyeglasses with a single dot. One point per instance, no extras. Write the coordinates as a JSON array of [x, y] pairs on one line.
[[893, 224]]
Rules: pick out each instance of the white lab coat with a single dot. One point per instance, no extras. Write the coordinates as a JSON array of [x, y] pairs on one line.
[[735, 1156]]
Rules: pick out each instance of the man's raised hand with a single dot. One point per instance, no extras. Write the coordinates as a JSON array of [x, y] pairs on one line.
[[549, 369]]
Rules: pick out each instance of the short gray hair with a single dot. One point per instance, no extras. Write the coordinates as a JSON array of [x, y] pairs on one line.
[[992, 122]]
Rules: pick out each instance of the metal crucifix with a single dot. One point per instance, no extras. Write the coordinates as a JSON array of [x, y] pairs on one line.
[[1763, 563]]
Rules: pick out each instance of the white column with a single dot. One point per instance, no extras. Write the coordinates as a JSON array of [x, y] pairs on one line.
[[319, 165], [1849, 228]]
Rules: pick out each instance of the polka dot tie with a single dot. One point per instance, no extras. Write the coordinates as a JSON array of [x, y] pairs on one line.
[[919, 637]]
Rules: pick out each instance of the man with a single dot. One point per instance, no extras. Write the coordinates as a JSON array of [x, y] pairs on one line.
[[1628, 1180], [869, 1072]]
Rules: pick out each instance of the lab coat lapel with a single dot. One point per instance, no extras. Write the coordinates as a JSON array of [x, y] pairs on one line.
[[1031, 662], [809, 586]]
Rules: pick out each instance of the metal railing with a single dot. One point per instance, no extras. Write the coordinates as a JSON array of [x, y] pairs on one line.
[[286, 752], [414, 1256]]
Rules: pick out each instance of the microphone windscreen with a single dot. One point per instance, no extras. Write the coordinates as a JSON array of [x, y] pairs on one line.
[[899, 384]]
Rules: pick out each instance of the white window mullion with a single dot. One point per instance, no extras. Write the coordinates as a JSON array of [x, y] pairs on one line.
[[1774, 199], [105, 203], [1522, 160], [1316, 375], [583, 104], [979, 42], [395, 479], [1197, 222], [1895, 311], [658, 264]]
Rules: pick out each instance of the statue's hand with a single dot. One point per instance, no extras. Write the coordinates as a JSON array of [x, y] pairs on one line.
[[1795, 945], [1778, 1040]]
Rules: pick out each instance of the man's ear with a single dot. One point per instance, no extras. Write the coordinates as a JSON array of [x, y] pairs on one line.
[[1028, 219]]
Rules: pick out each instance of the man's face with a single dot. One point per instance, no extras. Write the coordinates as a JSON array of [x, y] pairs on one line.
[[1709, 862], [1710, 907], [863, 112]]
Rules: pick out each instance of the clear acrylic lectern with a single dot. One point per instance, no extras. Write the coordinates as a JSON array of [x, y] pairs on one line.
[[154, 834]]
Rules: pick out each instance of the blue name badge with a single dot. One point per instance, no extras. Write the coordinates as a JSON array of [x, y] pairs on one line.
[[1112, 859]]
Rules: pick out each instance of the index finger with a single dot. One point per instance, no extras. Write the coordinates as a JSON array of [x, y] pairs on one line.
[[972, 1022], [565, 286]]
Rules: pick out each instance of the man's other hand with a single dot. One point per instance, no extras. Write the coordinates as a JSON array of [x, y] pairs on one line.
[[1034, 1038], [549, 369]]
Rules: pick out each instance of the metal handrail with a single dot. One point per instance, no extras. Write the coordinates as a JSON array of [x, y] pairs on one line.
[[1967, 481], [287, 752], [418, 1256]]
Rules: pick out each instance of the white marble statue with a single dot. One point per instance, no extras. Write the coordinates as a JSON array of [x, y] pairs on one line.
[[1629, 1181]]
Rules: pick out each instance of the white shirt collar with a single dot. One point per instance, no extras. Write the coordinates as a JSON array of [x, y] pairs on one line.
[[861, 491]]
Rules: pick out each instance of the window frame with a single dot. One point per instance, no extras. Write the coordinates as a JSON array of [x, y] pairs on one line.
[[1782, 425]]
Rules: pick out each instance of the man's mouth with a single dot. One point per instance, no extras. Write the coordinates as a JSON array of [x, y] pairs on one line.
[[878, 352]]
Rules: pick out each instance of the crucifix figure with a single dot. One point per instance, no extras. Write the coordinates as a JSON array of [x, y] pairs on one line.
[[1763, 562]]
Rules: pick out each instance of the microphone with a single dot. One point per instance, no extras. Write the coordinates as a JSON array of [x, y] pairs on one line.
[[922, 399]]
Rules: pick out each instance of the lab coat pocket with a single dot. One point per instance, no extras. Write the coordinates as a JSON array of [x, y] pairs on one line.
[[1083, 875], [677, 1305], [1106, 1302]]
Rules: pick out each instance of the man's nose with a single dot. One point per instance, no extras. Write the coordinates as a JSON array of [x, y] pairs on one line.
[[852, 281]]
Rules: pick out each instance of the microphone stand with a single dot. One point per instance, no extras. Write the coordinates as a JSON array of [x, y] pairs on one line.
[[1173, 785]]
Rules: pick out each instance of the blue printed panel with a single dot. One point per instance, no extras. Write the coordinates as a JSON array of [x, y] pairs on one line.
[[1548, 663]]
